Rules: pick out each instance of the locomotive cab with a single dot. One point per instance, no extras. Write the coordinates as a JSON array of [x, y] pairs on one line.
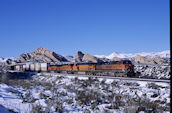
[[129, 67]]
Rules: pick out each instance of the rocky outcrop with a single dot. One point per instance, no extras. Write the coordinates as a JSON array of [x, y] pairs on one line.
[[81, 57], [89, 58], [41, 55], [158, 60], [78, 57], [24, 57], [116, 59], [143, 60]]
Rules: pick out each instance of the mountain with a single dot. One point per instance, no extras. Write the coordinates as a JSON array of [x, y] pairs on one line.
[[78, 57], [1, 60], [163, 54], [69, 58], [41, 55], [45, 55], [9, 60], [81, 57]]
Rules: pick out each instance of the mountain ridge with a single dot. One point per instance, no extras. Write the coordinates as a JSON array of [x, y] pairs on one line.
[[162, 54]]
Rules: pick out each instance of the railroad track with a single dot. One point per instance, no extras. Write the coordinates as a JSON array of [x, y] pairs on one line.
[[110, 77], [127, 78], [106, 77]]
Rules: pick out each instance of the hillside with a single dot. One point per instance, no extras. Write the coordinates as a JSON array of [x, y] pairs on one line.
[[41, 55]]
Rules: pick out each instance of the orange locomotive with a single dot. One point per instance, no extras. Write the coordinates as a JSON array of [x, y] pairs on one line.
[[115, 68]]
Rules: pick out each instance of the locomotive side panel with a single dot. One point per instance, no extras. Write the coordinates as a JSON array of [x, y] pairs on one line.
[[65, 68], [75, 67], [52, 68], [83, 67], [118, 68], [86, 67]]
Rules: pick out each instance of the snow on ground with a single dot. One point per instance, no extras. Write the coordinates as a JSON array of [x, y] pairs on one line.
[[10, 100], [155, 71], [61, 93]]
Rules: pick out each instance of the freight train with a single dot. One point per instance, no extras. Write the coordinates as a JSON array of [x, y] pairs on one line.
[[122, 68]]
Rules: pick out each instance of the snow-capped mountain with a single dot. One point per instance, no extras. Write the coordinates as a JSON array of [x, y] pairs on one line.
[[163, 54], [2, 60]]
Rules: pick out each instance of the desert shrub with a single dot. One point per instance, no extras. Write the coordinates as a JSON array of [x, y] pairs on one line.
[[76, 80], [88, 97], [59, 105], [152, 85], [25, 85], [82, 97], [148, 105], [69, 101], [105, 110], [4, 79], [154, 95], [87, 83], [157, 101], [36, 108], [43, 96], [92, 80], [28, 97], [144, 94], [45, 84], [62, 93], [103, 82], [86, 110], [130, 84], [71, 88], [131, 109], [116, 84], [117, 102], [106, 87], [56, 103]]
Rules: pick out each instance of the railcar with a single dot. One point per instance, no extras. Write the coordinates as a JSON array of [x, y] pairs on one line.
[[44, 67], [115, 68]]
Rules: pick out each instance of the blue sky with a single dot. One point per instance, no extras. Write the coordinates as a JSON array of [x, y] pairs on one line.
[[91, 26]]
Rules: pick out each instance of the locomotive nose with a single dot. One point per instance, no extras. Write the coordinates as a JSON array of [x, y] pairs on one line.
[[129, 67]]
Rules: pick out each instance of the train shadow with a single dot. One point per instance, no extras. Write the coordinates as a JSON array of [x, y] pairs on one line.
[[16, 75]]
